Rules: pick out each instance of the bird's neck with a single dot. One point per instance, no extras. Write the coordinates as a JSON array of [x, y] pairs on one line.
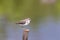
[[28, 21]]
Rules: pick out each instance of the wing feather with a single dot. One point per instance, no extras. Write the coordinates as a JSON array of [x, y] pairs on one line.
[[21, 22]]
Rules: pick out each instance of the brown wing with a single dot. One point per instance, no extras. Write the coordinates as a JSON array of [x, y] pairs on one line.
[[21, 22]]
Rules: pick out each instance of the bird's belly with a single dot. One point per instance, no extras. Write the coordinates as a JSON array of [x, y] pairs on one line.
[[26, 23]]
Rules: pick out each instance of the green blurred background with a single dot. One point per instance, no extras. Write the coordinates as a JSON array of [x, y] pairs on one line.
[[19, 9]]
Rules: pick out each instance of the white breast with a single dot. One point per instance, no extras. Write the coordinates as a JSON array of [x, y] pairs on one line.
[[27, 22]]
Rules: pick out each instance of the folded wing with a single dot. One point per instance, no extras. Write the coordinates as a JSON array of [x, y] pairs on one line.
[[21, 22]]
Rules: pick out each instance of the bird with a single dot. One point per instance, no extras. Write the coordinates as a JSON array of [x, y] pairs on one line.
[[24, 22]]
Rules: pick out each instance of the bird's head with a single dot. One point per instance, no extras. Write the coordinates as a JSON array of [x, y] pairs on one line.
[[28, 19]]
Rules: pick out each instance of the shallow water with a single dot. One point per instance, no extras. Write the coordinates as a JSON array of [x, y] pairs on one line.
[[48, 30]]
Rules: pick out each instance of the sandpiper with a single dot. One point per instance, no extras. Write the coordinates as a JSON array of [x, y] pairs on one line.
[[24, 22]]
